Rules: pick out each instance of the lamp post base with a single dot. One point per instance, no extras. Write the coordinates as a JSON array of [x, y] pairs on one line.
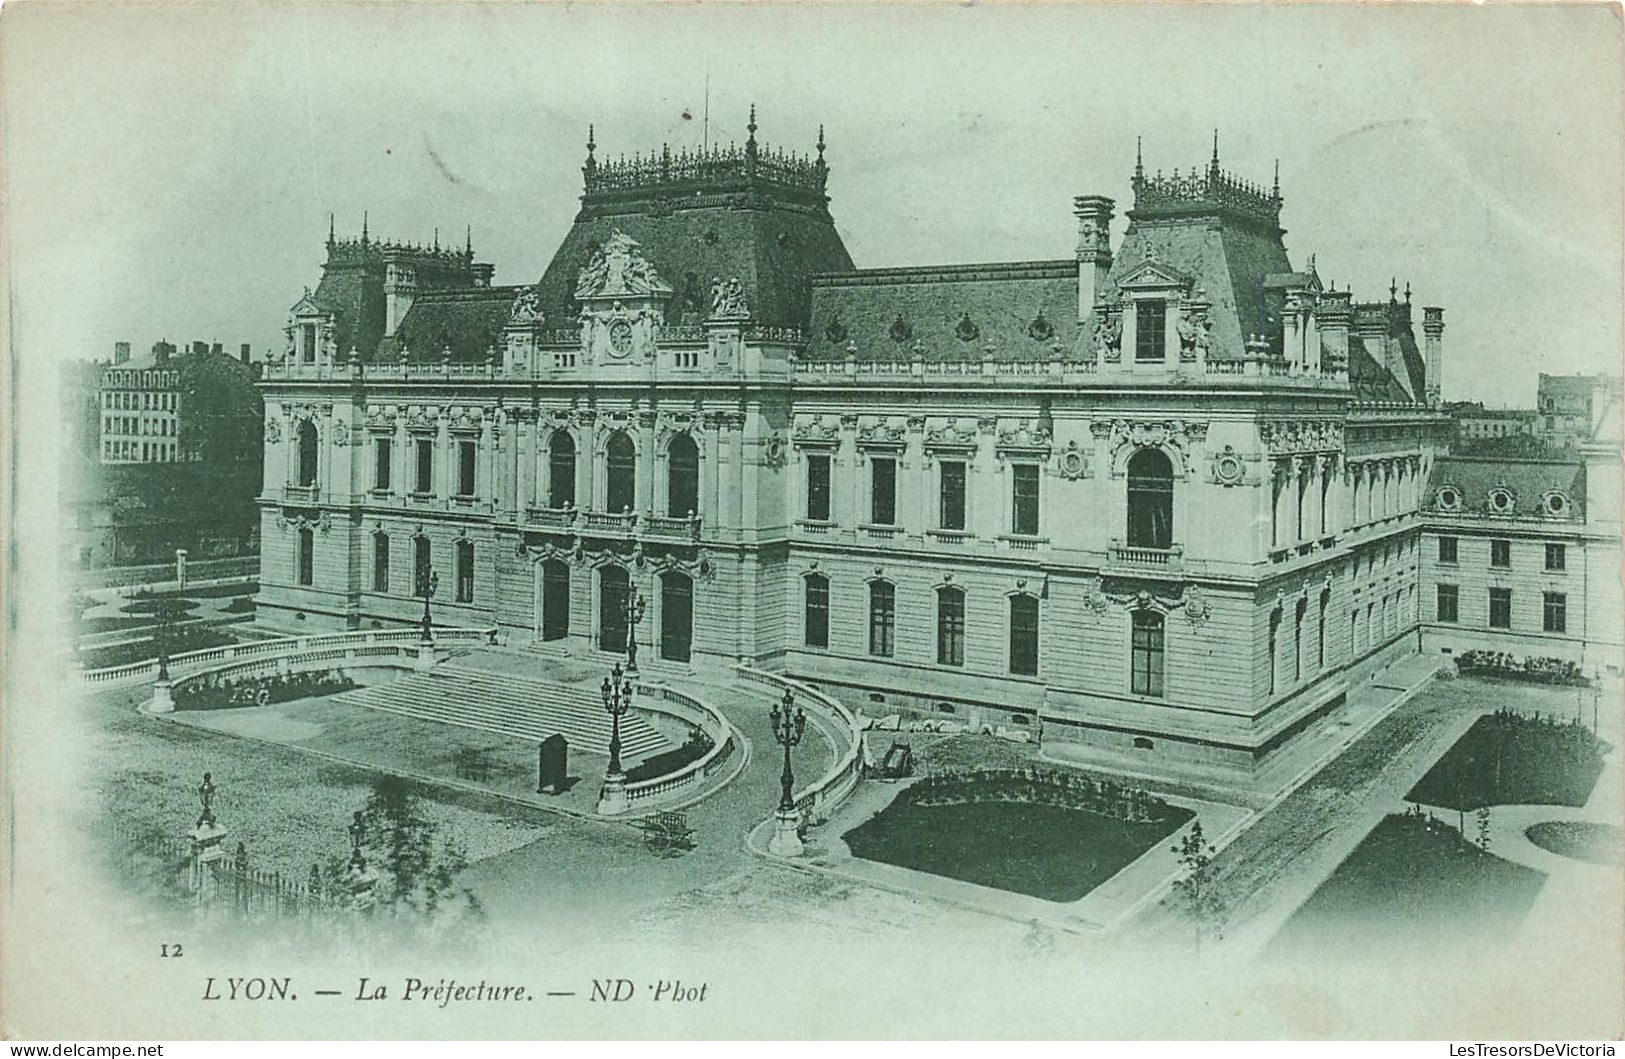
[[612, 800], [786, 840], [163, 698], [426, 655]]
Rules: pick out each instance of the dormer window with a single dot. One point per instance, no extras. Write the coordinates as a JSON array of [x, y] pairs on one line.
[[1501, 501], [1556, 504], [1449, 499], [307, 346], [1150, 330]]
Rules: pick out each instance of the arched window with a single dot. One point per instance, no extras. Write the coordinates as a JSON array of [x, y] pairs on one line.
[[1320, 628], [1150, 500], [622, 481], [307, 556], [682, 477], [1274, 646], [613, 587], [380, 562], [465, 571], [555, 599], [1297, 639], [882, 618], [561, 470], [307, 452], [950, 626], [676, 616], [815, 615], [1146, 648]]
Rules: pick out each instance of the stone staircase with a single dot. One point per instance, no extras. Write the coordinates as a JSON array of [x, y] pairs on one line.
[[510, 705]]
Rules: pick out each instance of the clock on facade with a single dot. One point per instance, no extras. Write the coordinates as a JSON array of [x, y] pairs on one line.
[[620, 338]]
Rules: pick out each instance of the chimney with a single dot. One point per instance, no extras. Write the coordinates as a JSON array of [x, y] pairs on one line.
[[1371, 326], [121, 352], [217, 349], [200, 349], [1433, 351], [1332, 322], [161, 351], [1094, 213], [242, 353], [400, 287]]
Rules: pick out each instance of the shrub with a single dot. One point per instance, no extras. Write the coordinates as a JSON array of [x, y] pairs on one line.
[[1530, 669], [696, 746], [1034, 786], [214, 692]]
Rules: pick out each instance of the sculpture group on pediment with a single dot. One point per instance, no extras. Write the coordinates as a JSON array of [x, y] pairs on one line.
[[1127, 435], [1302, 435], [814, 429], [619, 268], [882, 432], [951, 434], [1024, 435]]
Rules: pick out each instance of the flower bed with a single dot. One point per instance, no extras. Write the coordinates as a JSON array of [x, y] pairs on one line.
[[1041, 787], [1531, 669], [213, 693]]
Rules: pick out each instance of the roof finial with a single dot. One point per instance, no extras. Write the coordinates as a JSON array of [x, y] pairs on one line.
[[1214, 165], [1277, 191], [820, 142], [1393, 289], [437, 238], [751, 127], [468, 240], [363, 227], [1139, 158], [1407, 292], [330, 231]]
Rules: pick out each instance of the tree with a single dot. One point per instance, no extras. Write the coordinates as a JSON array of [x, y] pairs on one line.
[[1196, 886], [1484, 828], [417, 869]]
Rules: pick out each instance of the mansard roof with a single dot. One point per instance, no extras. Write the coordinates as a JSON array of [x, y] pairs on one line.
[[466, 321], [1529, 482], [1017, 311]]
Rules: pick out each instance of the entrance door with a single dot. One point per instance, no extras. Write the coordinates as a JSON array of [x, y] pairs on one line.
[[555, 599], [676, 616], [612, 586]]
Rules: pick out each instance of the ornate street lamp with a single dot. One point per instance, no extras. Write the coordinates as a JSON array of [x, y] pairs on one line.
[[616, 691], [635, 605], [789, 724], [427, 584]]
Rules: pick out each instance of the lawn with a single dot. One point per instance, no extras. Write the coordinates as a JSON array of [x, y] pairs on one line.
[[1511, 759], [88, 626], [1045, 851], [186, 638], [1412, 883], [1580, 840]]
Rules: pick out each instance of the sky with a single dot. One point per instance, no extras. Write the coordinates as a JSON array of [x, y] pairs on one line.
[[169, 170]]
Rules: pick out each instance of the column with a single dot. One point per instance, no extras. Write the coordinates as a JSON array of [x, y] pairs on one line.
[[445, 458], [645, 433], [710, 501], [586, 462], [522, 434], [1277, 492]]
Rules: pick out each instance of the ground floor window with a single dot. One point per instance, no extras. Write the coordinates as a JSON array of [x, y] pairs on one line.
[[1500, 608], [555, 599], [951, 626], [1555, 616], [380, 562], [465, 571], [613, 587], [1024, 635], [1145, 667], [882, 618], [676, 616]]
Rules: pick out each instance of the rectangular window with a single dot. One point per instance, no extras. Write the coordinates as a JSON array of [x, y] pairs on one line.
[[1556, 557], [951, 503], [1448, 608], [1024, 499], [1447, 549], [1146, 664], [818, 473], [1555, 614], [1150, 330], [1501, 553], [465, 468], [308, 353], [883, 491], [1500, 608], [380, 563], [815, 620], [950, 627], [1024, 635], [380, 466], [307, 557], [425, 481], [882, 618]]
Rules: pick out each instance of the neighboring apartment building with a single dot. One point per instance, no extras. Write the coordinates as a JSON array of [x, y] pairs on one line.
[[1568, 407], [1523, 556], [1474, 422], [1157, 500], [140, 407]]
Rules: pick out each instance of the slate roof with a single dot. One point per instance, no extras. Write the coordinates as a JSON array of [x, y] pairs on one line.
[[1529, 481], [1024, 310], [467, 320]]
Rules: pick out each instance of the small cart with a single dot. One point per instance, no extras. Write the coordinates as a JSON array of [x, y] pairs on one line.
[[667, 834]]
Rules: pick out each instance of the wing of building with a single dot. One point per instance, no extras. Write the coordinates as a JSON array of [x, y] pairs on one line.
[[1159, 500]]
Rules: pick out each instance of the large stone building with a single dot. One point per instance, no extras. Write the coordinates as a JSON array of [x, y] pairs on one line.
[[1159, 500], [1568, 407]]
